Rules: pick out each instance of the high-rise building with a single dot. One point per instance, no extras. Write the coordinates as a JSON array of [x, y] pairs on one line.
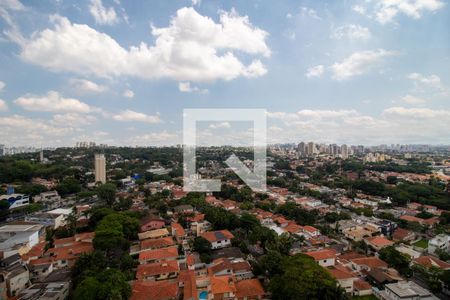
[[100, 168], [311, 148], [301, 148], [41, 156], [344, 151]]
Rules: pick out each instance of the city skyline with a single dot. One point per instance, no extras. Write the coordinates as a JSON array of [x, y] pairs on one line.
[[353, 72]]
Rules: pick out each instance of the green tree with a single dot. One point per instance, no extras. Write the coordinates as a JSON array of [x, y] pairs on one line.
[[396, 259], [107, 192], [302, 278]]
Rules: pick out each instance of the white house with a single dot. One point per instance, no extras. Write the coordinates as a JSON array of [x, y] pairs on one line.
[[218, 239], [441, 241]]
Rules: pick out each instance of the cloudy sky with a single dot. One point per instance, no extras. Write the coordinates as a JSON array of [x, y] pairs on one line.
[[121, 72]]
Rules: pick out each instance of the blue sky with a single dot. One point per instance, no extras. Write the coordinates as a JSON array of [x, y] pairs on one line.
[[121, 72]]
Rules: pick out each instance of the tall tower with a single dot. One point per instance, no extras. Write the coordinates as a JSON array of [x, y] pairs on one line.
[[100, 168], [41, 156]]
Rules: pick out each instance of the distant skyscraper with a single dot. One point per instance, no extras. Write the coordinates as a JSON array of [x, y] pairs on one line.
[[41, 156], [301, 148], [100, 168], [311, 148]]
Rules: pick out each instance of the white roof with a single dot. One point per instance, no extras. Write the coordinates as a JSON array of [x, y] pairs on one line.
[[61, 211]]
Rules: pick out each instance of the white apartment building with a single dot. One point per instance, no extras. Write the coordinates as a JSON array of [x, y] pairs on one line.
[[100, 168]]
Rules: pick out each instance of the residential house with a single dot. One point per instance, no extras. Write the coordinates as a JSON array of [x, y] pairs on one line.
[[403, 235], [404, 290], [439, 242], [324, 257], [158, 271], [158, 255], [218, 239], [431, 261], [151, 222], [250, 289], [378, 242], [155, 290]]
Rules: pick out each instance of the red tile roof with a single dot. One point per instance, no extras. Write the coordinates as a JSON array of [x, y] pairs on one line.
[[222, 284], [154, 290], [155, 269], [371, 262], [178, 230], [249, 288], [322, 254], [159, 254], [157, 243], [379, 241], [361, 285], [220, 235], [340, 274], [430, 261]]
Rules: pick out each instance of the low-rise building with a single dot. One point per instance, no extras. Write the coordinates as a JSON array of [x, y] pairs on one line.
[[440, 242], [404, 290], [218, 239]]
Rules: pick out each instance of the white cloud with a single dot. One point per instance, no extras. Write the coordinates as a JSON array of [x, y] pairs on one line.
[[12, 4], [220, 125], [186, 87], [101, 14], [155, 138], [359, 9], [359, 63], [73, 120], [52, 102], [192, 48], [133, 116], [87, 86], [316, 71], [432, 80], [422, 113], [351, 31], [20, 130], [3, 105], [2, 85], [309, 12], [413, 100], [393, 125], [384, 11], [196, 2], [128, 94]]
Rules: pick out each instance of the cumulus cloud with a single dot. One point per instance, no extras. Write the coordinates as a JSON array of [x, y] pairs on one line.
[[351, 31], [316, 71], [186, 87], [192, 48], [87, 86], [101, 14], [3, 105], [2, 86], [359, 63], [128, 94], [52, 102], [21, 130], [133, 116]]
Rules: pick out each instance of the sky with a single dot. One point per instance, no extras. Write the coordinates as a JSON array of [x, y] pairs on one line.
[[121, 72]]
